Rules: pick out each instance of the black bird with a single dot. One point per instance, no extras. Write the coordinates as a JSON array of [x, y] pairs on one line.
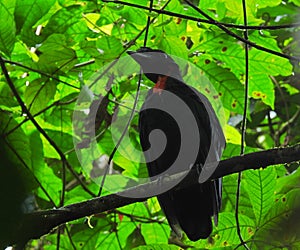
[[189, 209]]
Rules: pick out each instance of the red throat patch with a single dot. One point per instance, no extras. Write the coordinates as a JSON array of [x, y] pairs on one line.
[[160, 85]]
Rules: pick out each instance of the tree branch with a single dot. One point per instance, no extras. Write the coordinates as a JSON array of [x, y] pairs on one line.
[[36, 224]]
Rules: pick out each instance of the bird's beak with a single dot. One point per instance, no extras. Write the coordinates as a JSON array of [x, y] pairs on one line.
[[130, 52]]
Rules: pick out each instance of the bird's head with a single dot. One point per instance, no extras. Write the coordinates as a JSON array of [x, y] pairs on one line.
[[156, 64]]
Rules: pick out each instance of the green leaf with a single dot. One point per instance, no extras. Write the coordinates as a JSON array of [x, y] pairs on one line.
[[61, 115], [210, 4], [232, 135], [173, 46], [155, 233], [56, 54], [76, 195], [38, 94], [158, 247], [109, 47], [28, 12], [136, 209], [62, 139], [64, 242], [228, 87], [62, 20], [260, 185], [135, 239], [261, 87], [233, 55], [229, 197], [281, 226], [296, 2], [98, 237], [235, 10], [6, 96], [265, 3], [261, 64], [7, 26], [49, 183], [131, 15], [288, 183]]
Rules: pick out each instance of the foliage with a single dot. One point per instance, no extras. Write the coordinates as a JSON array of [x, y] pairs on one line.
[[54, 48]]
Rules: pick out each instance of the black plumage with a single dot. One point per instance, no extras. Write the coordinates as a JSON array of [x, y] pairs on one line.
[[189, 209]]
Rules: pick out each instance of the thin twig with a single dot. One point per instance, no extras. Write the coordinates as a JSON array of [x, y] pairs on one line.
[[148, 24], [244, 121]]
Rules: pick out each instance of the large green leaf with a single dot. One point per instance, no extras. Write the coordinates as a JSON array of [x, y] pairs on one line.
[[260, 186], [235, 10], [7, 26], [233, 55], [38, 94], [109, 47], [261, 87], [155, 233], [173, 46], [261, 64], [67, 21], [280, 228], [131, 15], [56, 54], [228, 87], [27, 14], [229, 197]]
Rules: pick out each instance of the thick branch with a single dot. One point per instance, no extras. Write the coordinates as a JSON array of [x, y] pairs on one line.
[[36, 224]]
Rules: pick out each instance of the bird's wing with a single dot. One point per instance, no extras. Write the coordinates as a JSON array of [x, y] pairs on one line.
[[217, 145], [150, 120]]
